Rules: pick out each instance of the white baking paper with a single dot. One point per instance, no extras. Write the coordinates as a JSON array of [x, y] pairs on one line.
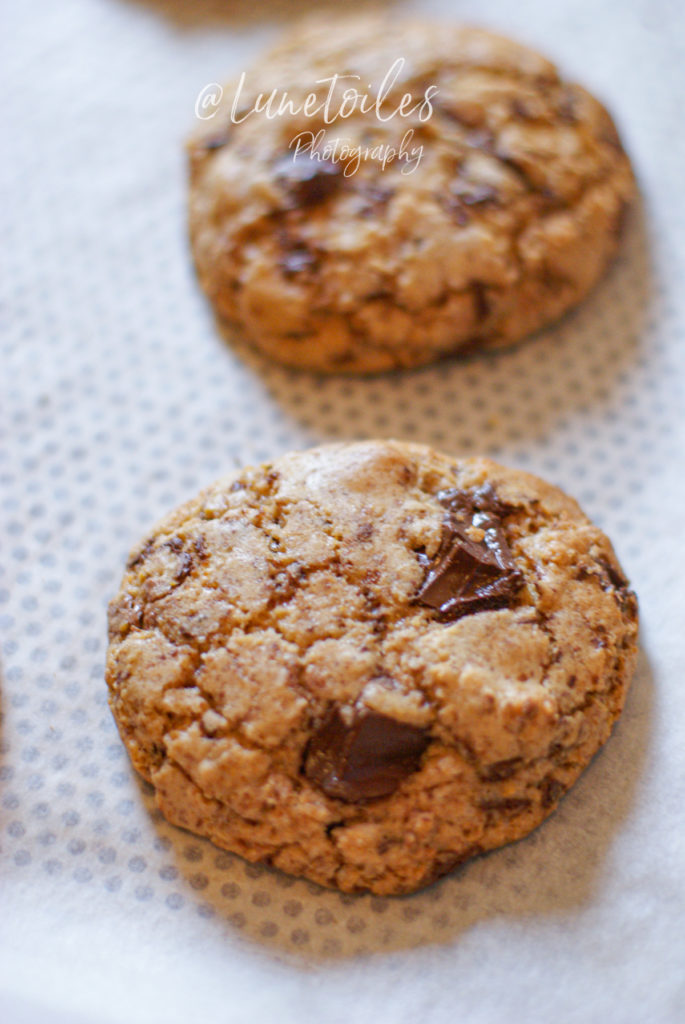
[[119, 400]]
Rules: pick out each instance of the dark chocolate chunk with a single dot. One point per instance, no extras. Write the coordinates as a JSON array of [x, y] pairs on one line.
[[547, 201], [215, 142], [139, 556], [309, 181], [200, 546], [567, 106], [374, 199], [611, 580], [464, 194], [529, 108], [297, 260], [500, 770], [458, 211], [471, 194], [614, 574], [365, 532], [470, 573], [480, 139], [550, 791], [362, 755], [465, 115], [507, 804], [621, 218], [184, 567], [445, 861], [609, 135], [515, 162], [625, 597], [481, 302]]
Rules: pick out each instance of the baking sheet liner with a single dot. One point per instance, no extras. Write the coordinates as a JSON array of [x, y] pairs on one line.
[[120, 399]]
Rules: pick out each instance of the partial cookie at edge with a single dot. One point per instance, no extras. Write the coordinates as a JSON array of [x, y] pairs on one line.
[[510, 218]]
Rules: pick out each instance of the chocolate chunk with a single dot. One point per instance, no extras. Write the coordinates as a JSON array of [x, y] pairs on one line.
[[184, 567], [458, 212], [139, 556], [467, 115], [481, 302], [445, 861], [528, 108], [625, 597], [548, 201], [215, 142], [609, 135], [611, 580], [621, 218], [470, 194], [550, 791], [374, 199], [614, 574], [500, 770], [185, 561], [362, 755], [464, 194], [567, 106], [473, 569], [481, 139], [200, 546], [297, 260], [516, 163], [365, 532], [308, 180], [507, 804]]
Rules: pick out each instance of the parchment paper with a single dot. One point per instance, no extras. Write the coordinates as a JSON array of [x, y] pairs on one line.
[[120, 399]]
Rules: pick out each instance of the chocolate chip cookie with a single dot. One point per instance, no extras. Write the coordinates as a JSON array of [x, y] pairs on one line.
[[462, 196], [367, 662]]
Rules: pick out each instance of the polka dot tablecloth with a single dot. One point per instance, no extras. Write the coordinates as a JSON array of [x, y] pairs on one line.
[[120, 399]]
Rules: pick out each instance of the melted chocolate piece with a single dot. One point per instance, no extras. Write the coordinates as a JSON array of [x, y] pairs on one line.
[[470, 574], [365, 759], [308, 180]]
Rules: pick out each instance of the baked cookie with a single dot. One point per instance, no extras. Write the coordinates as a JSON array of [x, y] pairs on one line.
[[499, 210], [367, 662]]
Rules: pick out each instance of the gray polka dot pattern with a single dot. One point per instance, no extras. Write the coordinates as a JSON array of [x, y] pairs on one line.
[[119, 399]]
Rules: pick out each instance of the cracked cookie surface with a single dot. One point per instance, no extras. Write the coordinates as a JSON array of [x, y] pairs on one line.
[[510, 217], [365, 663]]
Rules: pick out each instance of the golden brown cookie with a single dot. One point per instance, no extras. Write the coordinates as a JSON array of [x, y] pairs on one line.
[[367, 662], [498, 212]]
